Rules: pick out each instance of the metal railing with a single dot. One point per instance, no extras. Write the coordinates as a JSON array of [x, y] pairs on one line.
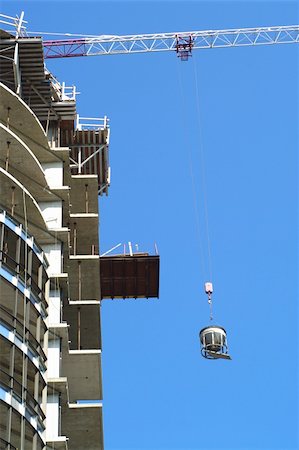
[[91, 123], [18, 269], [128, 249], [13, 324], [10, 275], [9, 383], [28, 410], [63, 92], [10, 222], [15, 24], [19, 328]]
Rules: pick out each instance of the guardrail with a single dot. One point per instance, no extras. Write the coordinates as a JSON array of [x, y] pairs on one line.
[[18, 269], [19, 392], [91, 123], [11, 223]]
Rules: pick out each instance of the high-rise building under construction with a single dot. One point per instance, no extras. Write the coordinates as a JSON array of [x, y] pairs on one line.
[[54, 165], [50, 386]]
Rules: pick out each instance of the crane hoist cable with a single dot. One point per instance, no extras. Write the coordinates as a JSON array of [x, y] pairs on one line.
[[202, 165], [183, 110], [198, 200]]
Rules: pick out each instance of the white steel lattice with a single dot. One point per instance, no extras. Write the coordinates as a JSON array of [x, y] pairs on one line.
[[178, 42]]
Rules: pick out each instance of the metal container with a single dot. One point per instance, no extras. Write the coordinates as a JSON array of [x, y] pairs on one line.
[[213, 342]]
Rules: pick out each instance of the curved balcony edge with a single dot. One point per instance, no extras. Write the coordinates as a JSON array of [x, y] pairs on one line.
[[7, 397], [8, 333]]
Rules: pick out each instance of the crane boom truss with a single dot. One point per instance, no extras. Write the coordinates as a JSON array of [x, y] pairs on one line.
[[182, 43]]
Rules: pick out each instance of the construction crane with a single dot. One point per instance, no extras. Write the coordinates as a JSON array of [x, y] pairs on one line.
[[180, 42], [183, 43]]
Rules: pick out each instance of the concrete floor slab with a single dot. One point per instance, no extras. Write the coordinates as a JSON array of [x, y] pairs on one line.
[[83, 424]]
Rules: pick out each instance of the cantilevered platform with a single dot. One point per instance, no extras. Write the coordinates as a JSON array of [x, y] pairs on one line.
[[125, 276], [88, 145]]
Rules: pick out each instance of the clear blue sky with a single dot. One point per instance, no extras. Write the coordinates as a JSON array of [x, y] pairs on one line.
[[159, 393]]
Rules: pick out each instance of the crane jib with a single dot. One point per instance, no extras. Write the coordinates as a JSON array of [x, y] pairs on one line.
[[183, 43]]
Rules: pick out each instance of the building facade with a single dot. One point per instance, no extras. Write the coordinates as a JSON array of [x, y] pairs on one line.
[[53, 167]]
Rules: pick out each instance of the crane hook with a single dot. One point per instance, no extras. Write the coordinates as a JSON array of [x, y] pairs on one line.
[[209, 291]]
